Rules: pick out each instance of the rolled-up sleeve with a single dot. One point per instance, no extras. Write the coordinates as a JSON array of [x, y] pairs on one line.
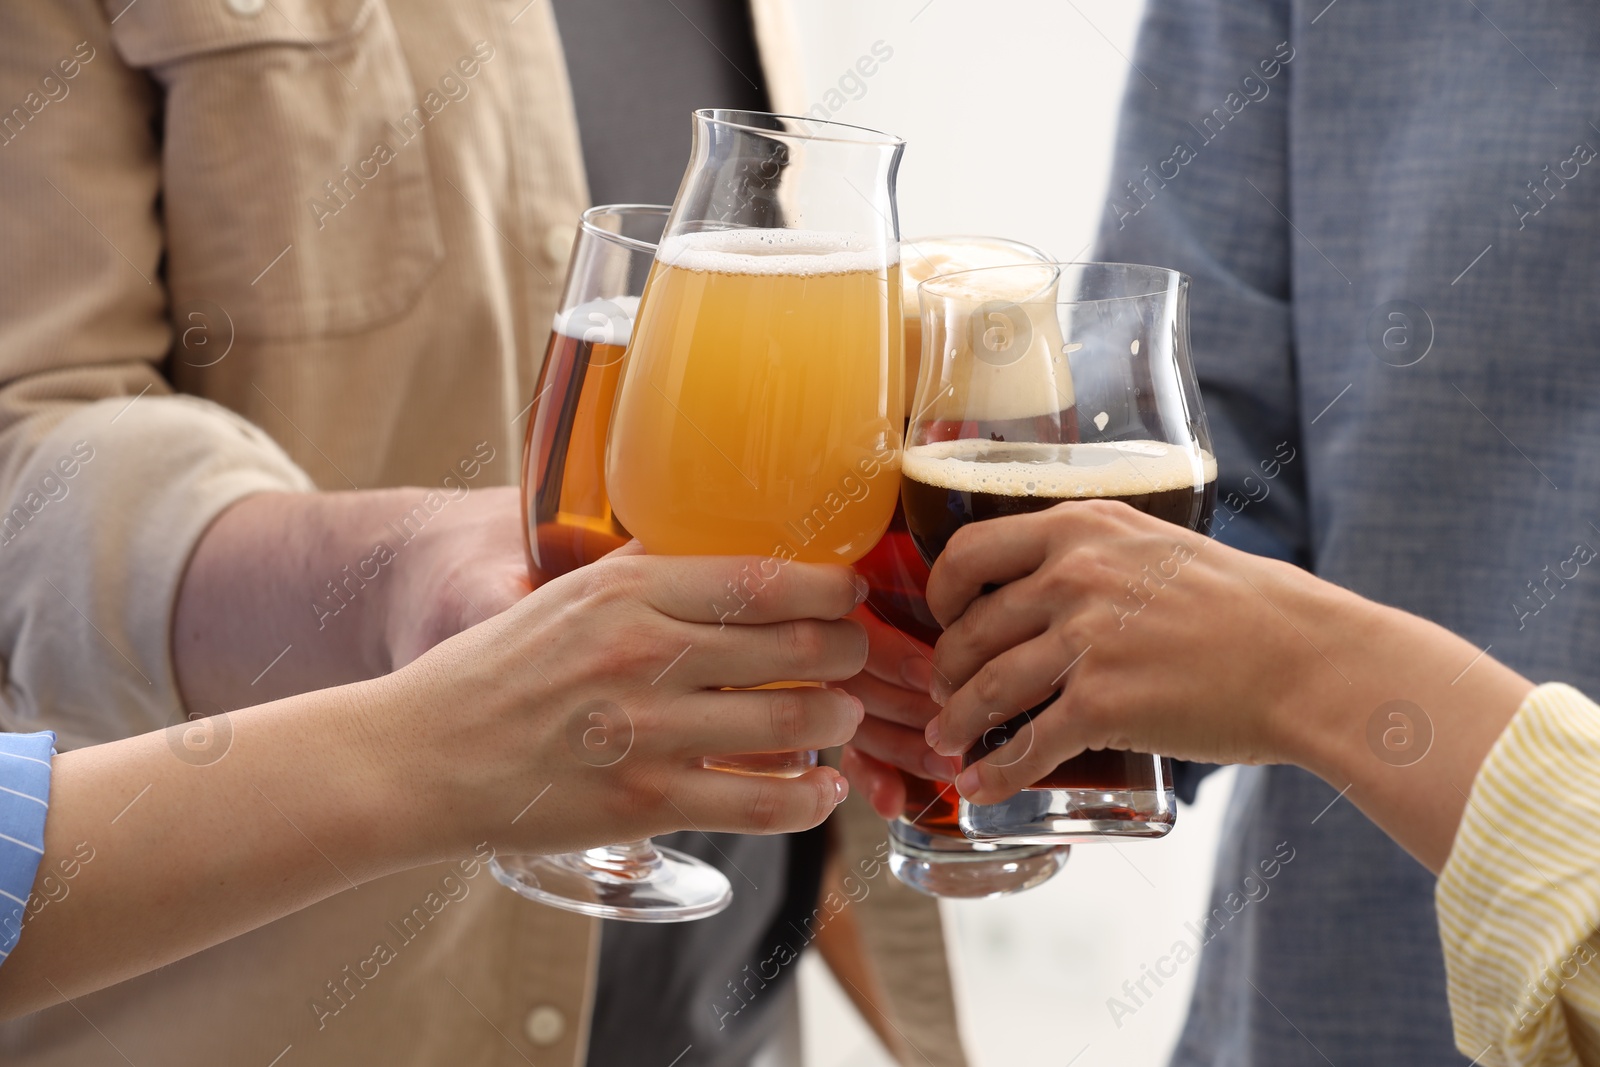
[[1519, 899], [107, 480], [24, 799]]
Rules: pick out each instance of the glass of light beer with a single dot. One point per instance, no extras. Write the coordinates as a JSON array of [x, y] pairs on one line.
[[761, 407], [1055, 383], [927, 849], [570, 523]]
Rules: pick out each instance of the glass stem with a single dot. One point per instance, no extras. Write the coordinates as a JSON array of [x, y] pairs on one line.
[[629, 862]]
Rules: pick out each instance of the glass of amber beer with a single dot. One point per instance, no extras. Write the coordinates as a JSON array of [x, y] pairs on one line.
[[760, 411], [1051, 383], [927, 849], [570, 523]]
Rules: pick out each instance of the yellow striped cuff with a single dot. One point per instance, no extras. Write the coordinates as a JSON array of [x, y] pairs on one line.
[[1519, 899]]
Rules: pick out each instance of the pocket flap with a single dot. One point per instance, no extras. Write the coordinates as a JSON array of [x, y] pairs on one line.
[[151, 32]]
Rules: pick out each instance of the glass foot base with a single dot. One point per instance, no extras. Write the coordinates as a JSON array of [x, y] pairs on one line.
[[675, 888], [1072, 816], [944, 866]]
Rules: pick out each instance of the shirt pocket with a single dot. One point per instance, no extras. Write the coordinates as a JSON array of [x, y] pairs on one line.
[[296, 188]]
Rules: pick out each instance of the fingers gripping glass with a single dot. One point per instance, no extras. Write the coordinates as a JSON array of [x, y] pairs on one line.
[[1057, 382], [569, 524]]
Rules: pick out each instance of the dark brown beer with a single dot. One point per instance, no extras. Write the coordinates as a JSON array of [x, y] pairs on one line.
[[950, 483], [563, 488], [897, 579]]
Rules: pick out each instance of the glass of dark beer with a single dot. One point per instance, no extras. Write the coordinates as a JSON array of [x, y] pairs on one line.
[[570, 523], [1050, 383], [927, 849]]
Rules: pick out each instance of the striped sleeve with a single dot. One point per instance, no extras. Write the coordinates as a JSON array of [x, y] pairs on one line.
[[1519, 899], [24, 798]]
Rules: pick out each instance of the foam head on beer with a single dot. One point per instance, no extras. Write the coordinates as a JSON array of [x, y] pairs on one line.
[[997, 338], [928, 257], [599, 322], [950, 483]]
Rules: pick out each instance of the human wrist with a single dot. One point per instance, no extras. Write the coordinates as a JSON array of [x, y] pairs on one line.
[[1329, 631], [406, 766]]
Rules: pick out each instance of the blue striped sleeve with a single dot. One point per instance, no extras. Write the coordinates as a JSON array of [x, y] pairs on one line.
[[24, 799]]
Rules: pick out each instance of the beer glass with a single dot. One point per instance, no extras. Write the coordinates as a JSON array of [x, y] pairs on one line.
[[1049, 383], [927, 849], [570, 523], [760, 411]]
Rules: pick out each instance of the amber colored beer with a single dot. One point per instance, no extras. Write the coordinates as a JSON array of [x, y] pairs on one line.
[[761, 410], [948, 484], [563, 488]]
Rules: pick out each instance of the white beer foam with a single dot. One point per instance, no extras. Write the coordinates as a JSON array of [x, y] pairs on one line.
[[921, 260], [1063, 472], [1025, 282], [600, 322], [773, 251]]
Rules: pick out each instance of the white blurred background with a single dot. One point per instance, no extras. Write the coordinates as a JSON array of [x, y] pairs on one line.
[[1009, 116]]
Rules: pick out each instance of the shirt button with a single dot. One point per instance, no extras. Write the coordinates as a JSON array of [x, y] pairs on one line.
[[246, 8], [558, 242], [544, 1025]]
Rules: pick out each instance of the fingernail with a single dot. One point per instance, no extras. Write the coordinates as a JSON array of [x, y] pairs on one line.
[[931, 733], [841, 789], [938, 691], [967, 782], [941, 768], [861, 708], [862, 589], [917, 673]]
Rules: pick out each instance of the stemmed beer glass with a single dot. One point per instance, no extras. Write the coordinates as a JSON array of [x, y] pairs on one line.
[[1058, 382], [570, 523]]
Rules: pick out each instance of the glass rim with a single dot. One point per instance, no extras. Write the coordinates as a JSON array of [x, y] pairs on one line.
[[750, 121], [979, 238], [586, 223], [930, 285]]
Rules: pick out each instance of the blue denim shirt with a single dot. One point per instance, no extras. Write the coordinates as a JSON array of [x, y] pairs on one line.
[[1391, 214]]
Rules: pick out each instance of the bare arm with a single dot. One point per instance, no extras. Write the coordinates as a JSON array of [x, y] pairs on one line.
[[320, 792], [1232, 658], [288, 592]]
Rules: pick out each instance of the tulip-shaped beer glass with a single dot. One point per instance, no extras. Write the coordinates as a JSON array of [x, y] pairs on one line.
[[760, 412], [1058, 382]]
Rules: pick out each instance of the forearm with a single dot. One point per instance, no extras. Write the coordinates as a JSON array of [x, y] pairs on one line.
[[1410, 766], [150, 858], [285, 593]]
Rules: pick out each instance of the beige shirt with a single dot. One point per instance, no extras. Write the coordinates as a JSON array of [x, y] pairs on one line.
[[257, 245]]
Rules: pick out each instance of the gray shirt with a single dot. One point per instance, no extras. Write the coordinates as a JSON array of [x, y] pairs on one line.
[[638, 68], [1423, 336]]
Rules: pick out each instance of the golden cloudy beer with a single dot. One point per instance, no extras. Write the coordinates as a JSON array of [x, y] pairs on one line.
[[761, 410]]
